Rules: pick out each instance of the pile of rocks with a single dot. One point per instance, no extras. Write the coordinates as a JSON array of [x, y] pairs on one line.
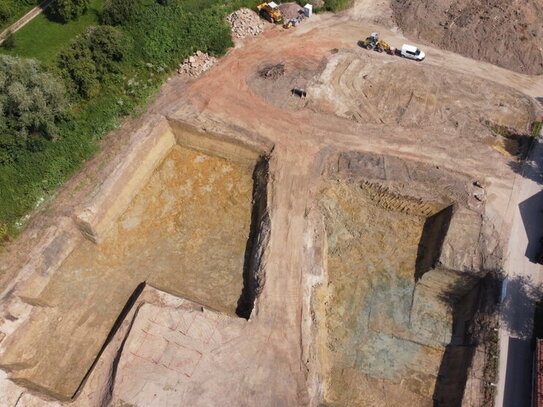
[[197, 64], [245, 22]]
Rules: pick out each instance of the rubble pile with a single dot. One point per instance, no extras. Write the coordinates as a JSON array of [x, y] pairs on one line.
[[272, 71], [197, 64], [245, 23]]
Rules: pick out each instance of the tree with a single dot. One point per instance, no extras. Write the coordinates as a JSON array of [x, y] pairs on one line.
[[118, 12], [9, 41], [91, 57], [66, 10], [32, 101]]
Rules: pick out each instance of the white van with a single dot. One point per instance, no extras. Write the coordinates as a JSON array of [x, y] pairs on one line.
[[412, 52]]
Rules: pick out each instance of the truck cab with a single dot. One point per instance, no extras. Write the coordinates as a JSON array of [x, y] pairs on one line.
[[412, 52]]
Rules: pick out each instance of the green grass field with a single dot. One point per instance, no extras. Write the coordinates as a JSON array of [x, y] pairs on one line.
[[43, 38]]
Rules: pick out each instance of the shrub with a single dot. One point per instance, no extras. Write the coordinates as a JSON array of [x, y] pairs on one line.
[[32, 101], [118, 12], [5, 11], [66, 10], [91, 57], [337, 5], [77, 64], [9, 41], [168, 34]]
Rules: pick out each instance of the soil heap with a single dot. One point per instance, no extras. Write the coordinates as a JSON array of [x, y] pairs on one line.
[[290, 10], [503, 32]]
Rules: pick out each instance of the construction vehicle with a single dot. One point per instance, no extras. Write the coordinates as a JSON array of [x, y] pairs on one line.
[[374, 43], [293, 22], [371, 41], [270, 11]]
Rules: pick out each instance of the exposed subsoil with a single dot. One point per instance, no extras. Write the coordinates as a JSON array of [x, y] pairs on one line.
[[282, 355], [503, 32]]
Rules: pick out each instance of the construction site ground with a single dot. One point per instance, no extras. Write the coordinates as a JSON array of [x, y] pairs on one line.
[[417, 135]]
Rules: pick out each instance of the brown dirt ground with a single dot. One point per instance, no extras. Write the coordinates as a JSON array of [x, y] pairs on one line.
[[503, 32], [271, 367]]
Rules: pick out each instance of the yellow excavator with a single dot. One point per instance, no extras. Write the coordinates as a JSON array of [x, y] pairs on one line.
[[270, 11]]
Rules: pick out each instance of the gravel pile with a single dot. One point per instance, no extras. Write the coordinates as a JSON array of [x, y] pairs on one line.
[[245, 23], [197, 64], [290, 10]]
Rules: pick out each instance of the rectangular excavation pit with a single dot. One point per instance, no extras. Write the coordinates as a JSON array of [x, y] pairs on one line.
[[190, 227], [384, 338]]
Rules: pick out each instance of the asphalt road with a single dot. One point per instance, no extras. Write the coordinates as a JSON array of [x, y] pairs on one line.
[[524, 277]]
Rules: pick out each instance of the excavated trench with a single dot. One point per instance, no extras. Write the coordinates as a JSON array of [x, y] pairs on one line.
[[387, 304], [379, 334], [196, 229]]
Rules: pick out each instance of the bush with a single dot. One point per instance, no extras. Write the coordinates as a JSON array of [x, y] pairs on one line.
[[9, 41], [118, 12], [67, 10], [337, 5], [91, 57], [32, 101], [166, 35], [5, 11]]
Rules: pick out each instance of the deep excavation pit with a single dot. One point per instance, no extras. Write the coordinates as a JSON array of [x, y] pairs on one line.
[[192, 231], [396, 269]]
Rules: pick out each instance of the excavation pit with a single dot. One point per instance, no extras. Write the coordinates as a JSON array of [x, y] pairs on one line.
[[383, 322], [190, 230], [379, 335]]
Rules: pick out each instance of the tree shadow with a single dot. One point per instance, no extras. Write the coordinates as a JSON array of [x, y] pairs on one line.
[[518, 307], [52, 16], [521, 319], [473, 323], [531, 211], [528, 169], [518, 374]]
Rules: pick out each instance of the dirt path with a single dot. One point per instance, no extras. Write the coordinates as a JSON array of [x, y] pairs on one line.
[[24, 20]]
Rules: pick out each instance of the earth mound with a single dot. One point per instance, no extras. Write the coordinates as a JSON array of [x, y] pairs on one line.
[[503, 32]]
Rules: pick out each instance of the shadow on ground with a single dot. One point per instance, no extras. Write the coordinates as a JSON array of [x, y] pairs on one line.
[[531, 211], [474, 320], [518, 376]]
